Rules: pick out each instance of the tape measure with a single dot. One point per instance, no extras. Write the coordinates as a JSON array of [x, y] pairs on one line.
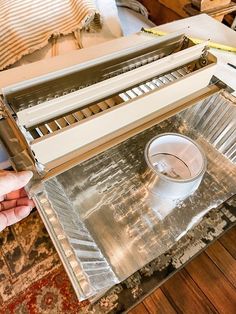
[[195, 40]]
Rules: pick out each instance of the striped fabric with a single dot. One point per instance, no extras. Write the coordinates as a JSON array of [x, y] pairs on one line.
[[27, 25]]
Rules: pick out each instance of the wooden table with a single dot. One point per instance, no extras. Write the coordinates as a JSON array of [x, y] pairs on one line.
[[218, 12], [165, 11]]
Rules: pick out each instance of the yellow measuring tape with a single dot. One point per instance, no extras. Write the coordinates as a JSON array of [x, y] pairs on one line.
[[195, 40]]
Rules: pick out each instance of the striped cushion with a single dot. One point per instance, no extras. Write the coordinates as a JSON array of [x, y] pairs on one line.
[[27, 25]]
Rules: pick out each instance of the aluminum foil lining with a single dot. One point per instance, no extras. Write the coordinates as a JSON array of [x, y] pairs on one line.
[[109, 199]]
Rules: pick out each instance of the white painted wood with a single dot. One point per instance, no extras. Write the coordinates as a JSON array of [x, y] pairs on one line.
[[88, 131], [59, 106]]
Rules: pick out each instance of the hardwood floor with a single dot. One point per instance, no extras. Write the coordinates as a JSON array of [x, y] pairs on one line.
[[206, 285]]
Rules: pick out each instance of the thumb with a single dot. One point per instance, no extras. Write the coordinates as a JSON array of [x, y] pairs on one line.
[[12, 181]]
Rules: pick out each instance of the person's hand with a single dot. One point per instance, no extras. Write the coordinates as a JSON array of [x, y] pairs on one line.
[[14, 203]]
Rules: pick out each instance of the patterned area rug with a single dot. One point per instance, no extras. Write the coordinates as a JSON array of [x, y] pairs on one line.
[[32, 279]]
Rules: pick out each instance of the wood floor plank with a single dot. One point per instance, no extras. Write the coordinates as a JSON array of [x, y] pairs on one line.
[[224, 260], [158, 303], [185, 296], [213, 283], [228, 241], [139, 309], [205, 285]]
